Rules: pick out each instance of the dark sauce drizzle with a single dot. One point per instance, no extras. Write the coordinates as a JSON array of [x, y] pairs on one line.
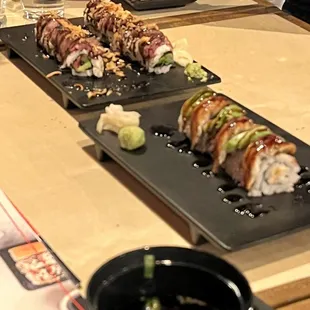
[[226, 187], [185, 149], [232, 198], [203, 162], [303, 169], [253, 210], [207, 173], [25, 37], [304, 180], [162, 131], [178, 141]]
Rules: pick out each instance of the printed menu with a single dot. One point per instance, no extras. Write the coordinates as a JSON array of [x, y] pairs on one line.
[[32, 275]]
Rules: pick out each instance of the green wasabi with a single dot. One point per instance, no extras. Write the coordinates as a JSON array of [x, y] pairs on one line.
[[194, 71], [243, 139], [131, 137]]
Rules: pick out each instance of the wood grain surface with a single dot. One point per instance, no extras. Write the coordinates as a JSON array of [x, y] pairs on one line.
[[212, 16], [294, 20], [294, 295], [301, 305]]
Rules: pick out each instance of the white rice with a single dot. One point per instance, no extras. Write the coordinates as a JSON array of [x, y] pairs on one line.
[[98, 67], [82, 74], [273, 174]]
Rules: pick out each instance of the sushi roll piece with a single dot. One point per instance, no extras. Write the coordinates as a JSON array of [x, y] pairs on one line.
[[251, 154], [230, 129], [262, 162], [208, 118], [129, 35], [270, 166], [185, 117], [75, 48], [203, 115]]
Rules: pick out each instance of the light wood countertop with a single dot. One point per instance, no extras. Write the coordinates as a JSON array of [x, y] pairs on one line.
[[90, 212], [75, 9]]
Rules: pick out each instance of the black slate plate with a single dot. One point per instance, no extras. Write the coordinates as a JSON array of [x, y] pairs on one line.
[[144, 5], [137, 86], [19, 276], [193, 195]]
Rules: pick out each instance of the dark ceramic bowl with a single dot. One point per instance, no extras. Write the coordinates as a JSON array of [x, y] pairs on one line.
[[178, 271]]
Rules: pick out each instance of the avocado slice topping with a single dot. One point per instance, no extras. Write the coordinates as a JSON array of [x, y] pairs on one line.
[[243, 139], [165, 60], [85, 66], [227, 113], [195, 100]]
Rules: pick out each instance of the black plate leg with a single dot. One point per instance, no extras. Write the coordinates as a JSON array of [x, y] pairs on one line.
[[11, 54], [67, 103], [196, 237], [100, 154]]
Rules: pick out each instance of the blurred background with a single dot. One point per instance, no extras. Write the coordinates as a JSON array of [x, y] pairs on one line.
[[278, 3]]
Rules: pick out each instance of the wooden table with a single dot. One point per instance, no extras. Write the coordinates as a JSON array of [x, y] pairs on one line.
[[90, 212]]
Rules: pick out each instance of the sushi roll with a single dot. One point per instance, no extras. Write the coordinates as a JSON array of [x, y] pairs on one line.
[[184, 120], [203, 115], [129, 35], [75, 48], [262, 162], [257, 159]]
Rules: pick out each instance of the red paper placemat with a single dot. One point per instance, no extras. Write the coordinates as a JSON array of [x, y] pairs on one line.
[[32, 275]]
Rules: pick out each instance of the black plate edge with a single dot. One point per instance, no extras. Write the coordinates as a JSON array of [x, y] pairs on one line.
[[209, 237], [84, 124], [51, 80], [166, 200], [97, 106]]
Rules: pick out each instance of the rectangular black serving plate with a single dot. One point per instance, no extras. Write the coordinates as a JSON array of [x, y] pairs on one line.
[[138, 85], [19, 276], [145, 5], [188, 191]]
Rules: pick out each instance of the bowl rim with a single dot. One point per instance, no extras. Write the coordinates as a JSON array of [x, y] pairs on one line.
[[90, 295]]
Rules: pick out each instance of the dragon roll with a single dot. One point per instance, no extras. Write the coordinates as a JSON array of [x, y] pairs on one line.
[[251, 154]]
